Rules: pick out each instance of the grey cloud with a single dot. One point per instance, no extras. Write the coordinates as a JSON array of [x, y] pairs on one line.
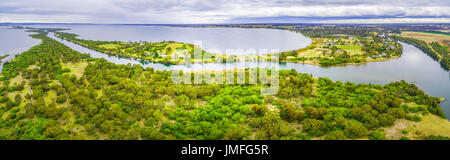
[[216, 11]]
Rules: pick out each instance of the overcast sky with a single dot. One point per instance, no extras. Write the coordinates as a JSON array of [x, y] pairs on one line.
[[225, 11]]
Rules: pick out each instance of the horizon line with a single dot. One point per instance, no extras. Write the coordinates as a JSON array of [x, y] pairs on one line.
[[81, 23]]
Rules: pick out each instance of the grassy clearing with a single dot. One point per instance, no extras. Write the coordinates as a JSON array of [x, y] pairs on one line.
[[76, 69], [429, 125], [316, 52], [447, 34], [17, 80], [349, 47], [429, 37], [51, 97], [33, 67], [109, 46], [319, 46]]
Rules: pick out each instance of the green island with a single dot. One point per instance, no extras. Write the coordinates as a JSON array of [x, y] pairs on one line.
[[334, 49], [54, 92], [159, 52]]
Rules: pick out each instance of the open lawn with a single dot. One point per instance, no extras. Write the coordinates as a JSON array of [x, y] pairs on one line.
[[76, 69], [319, 47], [349, 47], [109, 46], [448, 34], [429, 125], [316, 52], [429, 37]]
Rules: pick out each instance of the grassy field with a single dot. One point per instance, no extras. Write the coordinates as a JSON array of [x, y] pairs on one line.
[[318, 47], [444, 39], [447, 34], [349, 47], [321, 48], [109, 46], [428, 126], [76, 69]]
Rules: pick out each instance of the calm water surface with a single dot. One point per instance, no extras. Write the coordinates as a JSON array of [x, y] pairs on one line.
[[13, 42], [210, 38], [413, 66]]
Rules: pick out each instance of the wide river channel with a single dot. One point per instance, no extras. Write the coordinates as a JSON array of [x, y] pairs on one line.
[[413, 66]]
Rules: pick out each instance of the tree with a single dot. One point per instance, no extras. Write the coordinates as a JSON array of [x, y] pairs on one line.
[[61, 99], [315, 113], [150, 133], [370, 121], [396, 112], [237, 133], [314, 127], [182, 100], [270, 128], [18, 98], [355, 130], [259, 110], [377, 135], [335, 135], [51, 111], [386, 120], [357, 113], [53, 131], [288, 112], [340, 122]]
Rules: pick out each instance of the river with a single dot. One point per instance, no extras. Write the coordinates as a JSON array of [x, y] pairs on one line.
[[413, 66]]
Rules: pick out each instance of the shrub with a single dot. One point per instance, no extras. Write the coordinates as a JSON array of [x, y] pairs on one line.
[[259, 110], [335, 135], [61, 99], [377, 135], [314, 127], [355, 130], [414, 118], [404, 138]]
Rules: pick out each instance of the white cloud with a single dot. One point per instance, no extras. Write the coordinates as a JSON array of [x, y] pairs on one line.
[[216, 11]]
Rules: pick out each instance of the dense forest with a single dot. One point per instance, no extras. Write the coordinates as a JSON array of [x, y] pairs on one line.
[[54, 92]]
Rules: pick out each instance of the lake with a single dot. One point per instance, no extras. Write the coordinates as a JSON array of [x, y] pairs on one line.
[[211, 38], [413, 66], [14, 41]]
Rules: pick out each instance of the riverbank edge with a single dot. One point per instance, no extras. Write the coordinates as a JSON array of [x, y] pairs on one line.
[[237, 59], [435, 56]]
